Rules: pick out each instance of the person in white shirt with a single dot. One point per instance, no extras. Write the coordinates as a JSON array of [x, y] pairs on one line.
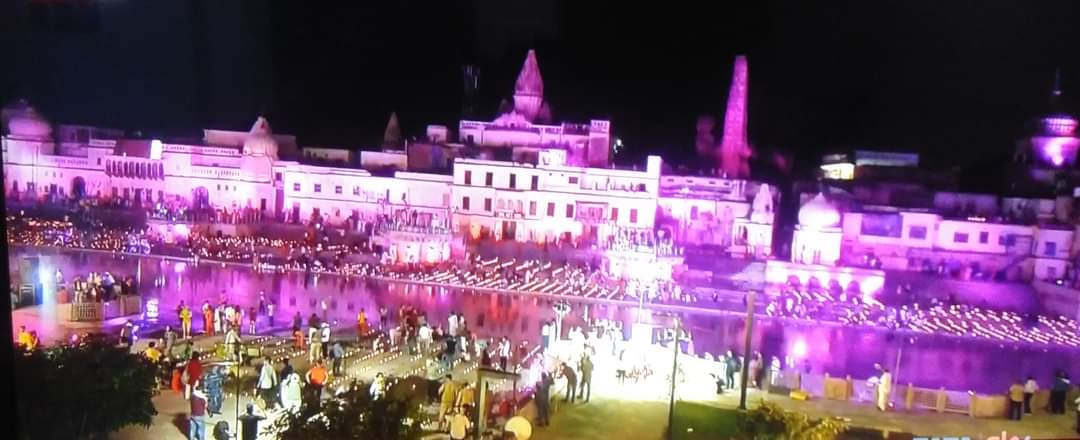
[[451, 324], [424, 335], [1030, 387], [325, 339]]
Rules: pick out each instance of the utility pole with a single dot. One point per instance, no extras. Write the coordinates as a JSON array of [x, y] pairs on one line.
[[745, 377], [674, 375]]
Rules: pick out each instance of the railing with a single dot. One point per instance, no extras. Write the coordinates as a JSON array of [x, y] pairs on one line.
[[907, 397], [87, 312]]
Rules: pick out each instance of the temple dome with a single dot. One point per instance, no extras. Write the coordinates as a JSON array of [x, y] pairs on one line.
[[818, 213], [24, 122], [260, 140]]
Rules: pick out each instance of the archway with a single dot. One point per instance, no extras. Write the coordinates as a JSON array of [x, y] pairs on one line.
[[78, 188]]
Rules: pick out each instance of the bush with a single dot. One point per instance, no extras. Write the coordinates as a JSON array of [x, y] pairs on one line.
[[770, 422], [352, 415], [83, 391]]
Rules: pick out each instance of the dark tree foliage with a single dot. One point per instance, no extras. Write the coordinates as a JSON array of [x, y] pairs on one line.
[[352, 415], [83, 391]]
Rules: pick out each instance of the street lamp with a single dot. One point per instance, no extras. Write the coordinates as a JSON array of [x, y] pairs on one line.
[[676, 339], [744, 377]]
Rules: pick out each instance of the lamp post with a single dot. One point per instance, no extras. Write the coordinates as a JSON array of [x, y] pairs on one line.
[[674, 375], [744, 377]]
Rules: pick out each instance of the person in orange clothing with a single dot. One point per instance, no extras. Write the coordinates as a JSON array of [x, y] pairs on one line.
[[317, 377], [361, 325], [208, 319], [176, 384]]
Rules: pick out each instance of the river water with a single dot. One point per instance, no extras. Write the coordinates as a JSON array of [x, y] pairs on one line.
[[927, 361]]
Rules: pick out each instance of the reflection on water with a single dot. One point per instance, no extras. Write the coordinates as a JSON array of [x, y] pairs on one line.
[[927, 361]]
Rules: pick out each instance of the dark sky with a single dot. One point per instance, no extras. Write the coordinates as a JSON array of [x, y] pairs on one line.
[[953, 80]]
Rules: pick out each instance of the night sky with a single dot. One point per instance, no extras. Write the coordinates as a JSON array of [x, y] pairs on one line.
[[953, 80]]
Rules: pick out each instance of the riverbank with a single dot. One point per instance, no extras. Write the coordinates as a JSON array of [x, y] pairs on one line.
[[655, 308]]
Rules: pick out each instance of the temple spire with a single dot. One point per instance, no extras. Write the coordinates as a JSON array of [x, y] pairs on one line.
[[529, 81], [734, 153], [529, 89], [392, 134]]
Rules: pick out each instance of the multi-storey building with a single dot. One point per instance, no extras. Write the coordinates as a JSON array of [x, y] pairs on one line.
[[559, 188]]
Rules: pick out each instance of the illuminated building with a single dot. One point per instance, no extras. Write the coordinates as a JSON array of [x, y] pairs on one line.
[[555, 182]]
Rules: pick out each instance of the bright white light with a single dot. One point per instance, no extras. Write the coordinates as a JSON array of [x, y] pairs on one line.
[[155, 149]]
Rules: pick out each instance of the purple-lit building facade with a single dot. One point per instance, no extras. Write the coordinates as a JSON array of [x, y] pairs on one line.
[[892, 215], [555, 182]]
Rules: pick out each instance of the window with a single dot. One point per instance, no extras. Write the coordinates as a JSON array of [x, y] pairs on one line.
[[535, 183], [569, 211], [296, 187], [551, 209], [984, 237], [501, 204], [1007, 240], [917, 232], [633, 216], [277, 177], [468, 177], [532, 209], [693, 212], [614, 214], [337, 189], [1050, 249], [487, 204], [513, 181], [573, 180], [99, 161], [465, 203], [1051, 272], [318, 187], [959, 237], [489, 179], [356, 190]]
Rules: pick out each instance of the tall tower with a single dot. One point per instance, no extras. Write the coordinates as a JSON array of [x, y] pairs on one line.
[[734, 153], [529, 89]]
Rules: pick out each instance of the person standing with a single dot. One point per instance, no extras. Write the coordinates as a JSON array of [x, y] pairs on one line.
[[337, 353], [270, 306], [447, 398], [252, 317], [732, 367], [316, 379], [545, 336], [297, 322], [215, 390], [361, 325], [1016, 400], [384, 319], [324, 334], [268, 380], [883, 389], [504, 353], [1057, 393], [208, 319], [1030, 387], [170, 341], [197, 416], [571, 382], [291, 395], [543, 399], [586, 367], [232, 343], [314, 344]]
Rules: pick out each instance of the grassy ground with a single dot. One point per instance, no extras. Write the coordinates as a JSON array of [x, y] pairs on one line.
[[605, 418]]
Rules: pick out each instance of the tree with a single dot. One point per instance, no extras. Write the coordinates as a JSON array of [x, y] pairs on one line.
[[83, 391], [351, 415], [770, 422]]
